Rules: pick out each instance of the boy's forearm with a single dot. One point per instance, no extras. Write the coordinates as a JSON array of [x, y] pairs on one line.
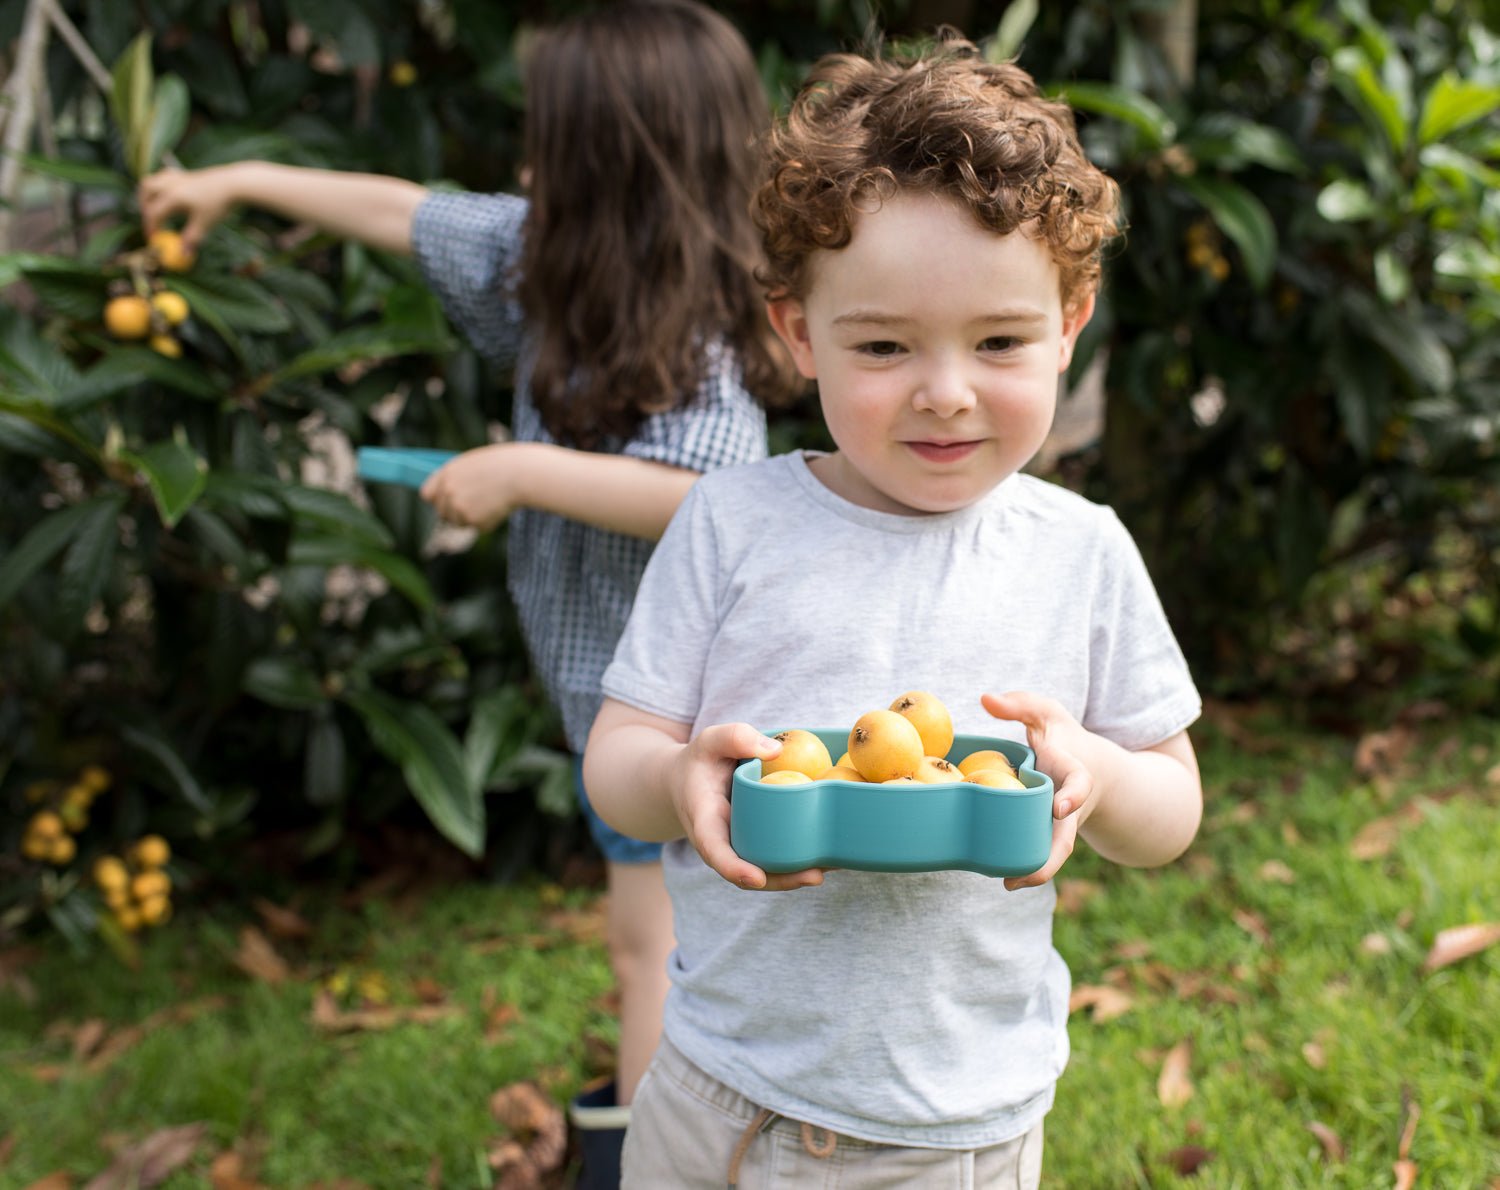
[[372, 208], [618, 493], [1149, 805]]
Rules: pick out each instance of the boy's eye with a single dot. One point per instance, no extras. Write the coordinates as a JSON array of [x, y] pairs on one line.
[[880, 347], [1000, 343]]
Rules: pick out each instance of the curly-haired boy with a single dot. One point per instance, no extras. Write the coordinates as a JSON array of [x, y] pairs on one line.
[[933, 232]]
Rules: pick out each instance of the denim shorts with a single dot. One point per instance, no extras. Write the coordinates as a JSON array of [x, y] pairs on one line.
[[617, 848]]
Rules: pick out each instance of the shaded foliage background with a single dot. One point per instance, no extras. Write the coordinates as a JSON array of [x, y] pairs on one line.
[[1297, 343]]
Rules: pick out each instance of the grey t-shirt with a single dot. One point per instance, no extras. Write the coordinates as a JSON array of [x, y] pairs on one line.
[[572, 583], [925, 1009]]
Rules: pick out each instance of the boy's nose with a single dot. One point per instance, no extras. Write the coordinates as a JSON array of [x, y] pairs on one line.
[[944, 390]]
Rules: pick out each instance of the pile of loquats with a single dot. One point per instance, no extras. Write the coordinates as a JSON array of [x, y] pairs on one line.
[[142, 307], [137, 888], [906, 744]]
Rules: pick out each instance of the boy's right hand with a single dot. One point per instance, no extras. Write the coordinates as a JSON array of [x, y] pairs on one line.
[[700, 781], [203, 195]]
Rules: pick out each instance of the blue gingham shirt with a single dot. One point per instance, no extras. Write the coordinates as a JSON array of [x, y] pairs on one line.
[[573, 584]]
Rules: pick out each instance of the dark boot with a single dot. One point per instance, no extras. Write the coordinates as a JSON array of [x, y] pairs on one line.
[[599, 1125]]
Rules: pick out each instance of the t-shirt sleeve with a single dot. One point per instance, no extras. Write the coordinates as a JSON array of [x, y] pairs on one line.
[[1140, 690], [468, 248], [658, 665], [721, 425]]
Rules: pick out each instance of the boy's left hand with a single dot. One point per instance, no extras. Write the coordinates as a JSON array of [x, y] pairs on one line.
[[1054, 735], [473, 488]]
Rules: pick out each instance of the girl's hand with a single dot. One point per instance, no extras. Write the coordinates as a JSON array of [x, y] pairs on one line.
[[1054, 735], [475, 488], [203, 195], [700, 780]]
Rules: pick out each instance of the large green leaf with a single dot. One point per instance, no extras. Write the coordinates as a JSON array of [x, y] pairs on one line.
[[170, 107], [324, 767], [1121, 103], [432, 762], [1455, 103], [1346, 201], [234, 302], [337, 513], [175, 472], [130, 101], [76, 173], [47, 538], [86, 564], [34, 369], [497, 731], [1414, 346], [361, 343], [1229, 141], [150, 743], [284, 682], [1015, 23], [1355, 76], [1243, 218]]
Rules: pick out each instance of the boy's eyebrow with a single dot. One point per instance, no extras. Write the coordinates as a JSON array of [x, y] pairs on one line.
[[881, 318]]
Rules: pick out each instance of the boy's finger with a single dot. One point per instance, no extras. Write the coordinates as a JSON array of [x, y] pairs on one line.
[[1064, 835]]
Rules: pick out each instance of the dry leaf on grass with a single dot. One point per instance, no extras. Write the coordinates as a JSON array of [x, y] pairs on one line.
[[1276, 872], [1376, 944], [1105, 1001], [1378, 836], [228, 1173], [328, 1016], [258, 959], [1313, 1055], [151, 1161], [1253, 924], [1459, 942], [1189, 1159], [538, 1140], [1378, 752], [1073, 895], [282, 922], [1406, 1174], [1174, 1085], [1333, 1147], [53, 1181]]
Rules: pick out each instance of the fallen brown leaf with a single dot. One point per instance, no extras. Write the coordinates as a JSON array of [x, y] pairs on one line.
[[427, 990], [87, 1036], [1073, 895], [1253, 924], [539, 1137], [1313, 1055], [1377, 837], [498, 1020], [1105, 1001], [1189, 1159], [258, 959], [1459, 942], [151, 1161], [1289, 833], [53, 1181], [1276, 872], [1128, 952], [328, 1016], [1333, 1147], [7, 1147], [1376, 944], [1381, 751], [1406, 1174], [282, 922], [227, 1172], [1174, 1085]]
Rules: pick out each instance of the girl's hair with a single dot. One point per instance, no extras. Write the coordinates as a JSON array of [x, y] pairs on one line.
[[639, 257], [935, 121]]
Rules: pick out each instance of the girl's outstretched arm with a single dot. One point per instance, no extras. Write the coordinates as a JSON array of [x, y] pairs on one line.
[[372, 208], [622, 494]]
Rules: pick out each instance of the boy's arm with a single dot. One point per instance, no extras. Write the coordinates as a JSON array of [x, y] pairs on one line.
[[372, 208], [619, 493], [648, 779], [1138, 808]]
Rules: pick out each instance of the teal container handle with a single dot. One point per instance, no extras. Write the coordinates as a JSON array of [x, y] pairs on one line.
[[896, 828], [405, 465]]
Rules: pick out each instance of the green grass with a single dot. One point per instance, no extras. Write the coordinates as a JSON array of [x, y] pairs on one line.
[[380, 1106]]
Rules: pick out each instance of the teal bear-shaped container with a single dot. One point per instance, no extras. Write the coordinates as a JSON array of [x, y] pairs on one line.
[[408, 466], [896, 828]]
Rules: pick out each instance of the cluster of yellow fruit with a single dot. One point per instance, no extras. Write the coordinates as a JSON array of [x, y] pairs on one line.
[[907, 743], [130, 314], [49, 835], [136, 888]]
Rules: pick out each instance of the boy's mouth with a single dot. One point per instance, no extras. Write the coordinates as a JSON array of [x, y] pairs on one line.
[[943, 452]]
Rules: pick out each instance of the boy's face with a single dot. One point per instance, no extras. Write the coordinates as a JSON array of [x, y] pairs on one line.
[[936, 345]]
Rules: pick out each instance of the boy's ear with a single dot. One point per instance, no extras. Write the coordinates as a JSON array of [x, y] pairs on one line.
[[1072, 327], [789, 321]]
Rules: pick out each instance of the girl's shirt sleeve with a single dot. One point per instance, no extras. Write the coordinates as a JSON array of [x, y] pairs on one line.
[[468, 247], [721, 425]]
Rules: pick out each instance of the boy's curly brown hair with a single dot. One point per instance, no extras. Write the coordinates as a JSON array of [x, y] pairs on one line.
[[941, 121]]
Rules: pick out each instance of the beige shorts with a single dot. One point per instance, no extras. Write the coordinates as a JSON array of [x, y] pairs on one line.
[[687, 1129]]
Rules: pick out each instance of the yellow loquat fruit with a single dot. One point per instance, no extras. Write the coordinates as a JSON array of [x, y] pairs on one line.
[[931, 719], [988, 758], [841, 772], [96, 777], [145, 885], [885, 744], [45, 824], [128, 316], [166, 345], [155, 910], [934, 770], [129, 918], [110, 872], [171, 306], [170, 251], [151, 851], [801, 751], [35, 846], [61, 850], [996, 779], [785, 777]]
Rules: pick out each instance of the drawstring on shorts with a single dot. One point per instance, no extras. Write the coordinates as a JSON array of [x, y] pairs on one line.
[[762, 1120]]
